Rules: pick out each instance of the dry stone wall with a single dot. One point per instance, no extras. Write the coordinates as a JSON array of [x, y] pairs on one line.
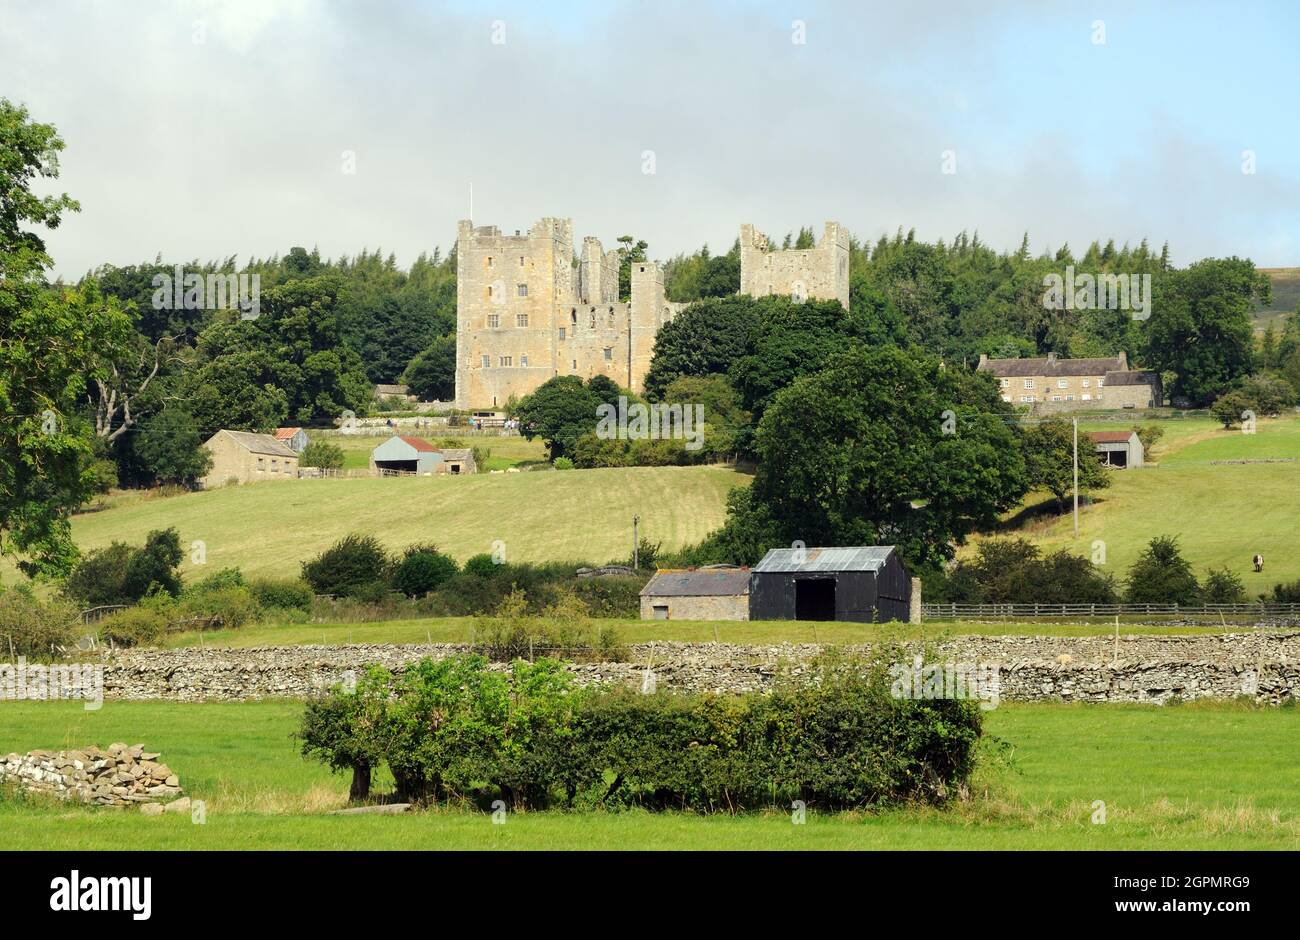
[[1154, 669], [118, 776]]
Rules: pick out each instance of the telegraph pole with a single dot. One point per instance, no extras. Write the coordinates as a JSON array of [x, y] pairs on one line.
[[636, 560], [1076, 478]]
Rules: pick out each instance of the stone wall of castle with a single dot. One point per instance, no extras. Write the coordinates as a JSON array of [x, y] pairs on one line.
[[527, 310], [819, 273]]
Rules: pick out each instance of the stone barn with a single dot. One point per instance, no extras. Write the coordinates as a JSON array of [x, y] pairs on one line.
[[863, 584], [242, 457], [701, 594], [402, 454], [1118, 448]]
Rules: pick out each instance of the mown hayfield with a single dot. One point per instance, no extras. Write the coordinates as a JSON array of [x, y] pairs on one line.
[[269, 528], [1193, 776], [1222, 513]]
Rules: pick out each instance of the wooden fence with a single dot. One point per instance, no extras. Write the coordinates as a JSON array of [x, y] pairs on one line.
[[1023, 611]]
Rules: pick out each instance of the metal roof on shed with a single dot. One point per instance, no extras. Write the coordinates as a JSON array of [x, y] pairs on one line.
[[704, 583], [849, 558]]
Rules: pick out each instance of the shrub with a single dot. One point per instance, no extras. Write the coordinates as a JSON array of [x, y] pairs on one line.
[[1230, 408], [1287, 593], [1013, 571], [34, 629], [352, 563], [562, 463], [456, 729], [1161, 575], [421, 572], [282, 593], [1221, 586], [1149, 435], [322, 454], [98, 578], [136, 626], [565, 629], [235, 606], [154, 566], [218, 581], [481, 566]]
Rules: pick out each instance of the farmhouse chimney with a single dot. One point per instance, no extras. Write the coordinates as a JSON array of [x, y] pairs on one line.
[[1051, 358]]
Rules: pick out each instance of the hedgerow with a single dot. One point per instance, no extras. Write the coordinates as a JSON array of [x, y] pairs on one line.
[[458, 729]]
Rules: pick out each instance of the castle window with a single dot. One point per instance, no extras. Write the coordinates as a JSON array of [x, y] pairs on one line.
[[593, 321], [494, 321], [489, 261], [523, 362], [573, 315], [609, 353], [523, 290], [487, 361], [561, 334], [506, 361], [521, 261], [575, 365], [643, 269], [521, 319]]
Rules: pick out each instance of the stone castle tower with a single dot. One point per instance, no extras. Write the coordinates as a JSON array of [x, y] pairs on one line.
[[527, 310]]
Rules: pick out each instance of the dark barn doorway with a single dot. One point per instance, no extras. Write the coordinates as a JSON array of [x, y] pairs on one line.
[[814, 599]]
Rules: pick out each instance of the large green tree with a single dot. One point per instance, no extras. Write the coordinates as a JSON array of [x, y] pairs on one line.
[[1201, 329], [884, 446], [431, 375], [47, 338], [1049, 459]]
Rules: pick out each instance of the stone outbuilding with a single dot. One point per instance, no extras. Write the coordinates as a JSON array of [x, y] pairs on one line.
[[456, 460], [1118, 448], [864, 584], [697, 594], [243, 457], [404, 454]]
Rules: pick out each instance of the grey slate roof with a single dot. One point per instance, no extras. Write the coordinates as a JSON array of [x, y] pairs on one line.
[[1030, 368], [262, 444], [1131, 378], [851, 558], [703, 583]]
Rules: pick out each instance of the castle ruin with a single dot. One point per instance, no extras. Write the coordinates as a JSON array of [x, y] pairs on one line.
[[527, 310]]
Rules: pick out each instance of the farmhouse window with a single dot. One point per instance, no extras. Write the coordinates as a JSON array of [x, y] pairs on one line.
[[1087, 382], [1029, 383], [1062, 383], [261, 465], [1005, 383]]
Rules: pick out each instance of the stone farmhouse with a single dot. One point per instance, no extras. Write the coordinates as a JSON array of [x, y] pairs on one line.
[[528, 310], [1049, 383]]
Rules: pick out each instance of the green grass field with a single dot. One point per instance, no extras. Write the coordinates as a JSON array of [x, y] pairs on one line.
[[1194, 776], [1222, 513], [269, 528]]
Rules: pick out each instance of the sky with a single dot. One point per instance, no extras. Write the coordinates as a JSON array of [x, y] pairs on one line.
[[205, 129]]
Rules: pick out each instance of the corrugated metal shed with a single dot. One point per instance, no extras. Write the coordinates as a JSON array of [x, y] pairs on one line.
[[855, 558], [702, 583]]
